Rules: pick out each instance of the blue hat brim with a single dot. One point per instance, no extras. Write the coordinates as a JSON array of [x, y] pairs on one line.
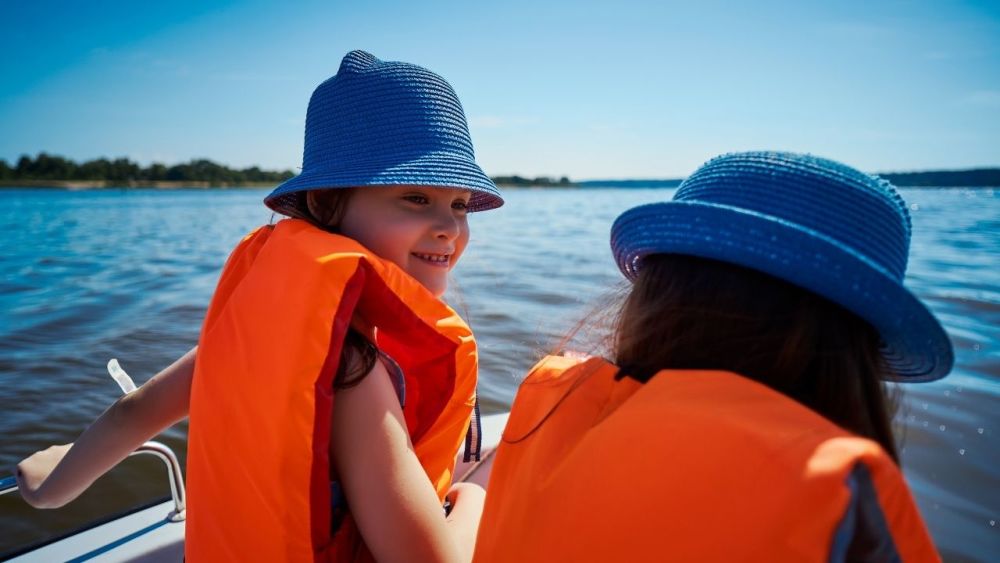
[[916, 346], [432, 170]]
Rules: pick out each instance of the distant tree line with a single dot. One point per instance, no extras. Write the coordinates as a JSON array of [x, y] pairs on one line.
[[46, 167], [672, 183], [979, 177], [537, 181], [56, 168]]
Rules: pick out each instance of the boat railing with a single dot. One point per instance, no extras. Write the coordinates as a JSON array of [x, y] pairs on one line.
[[174, 475]]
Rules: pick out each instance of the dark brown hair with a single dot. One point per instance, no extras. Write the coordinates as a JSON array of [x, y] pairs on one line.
[[686, 312], [358, 354], [329, 209]]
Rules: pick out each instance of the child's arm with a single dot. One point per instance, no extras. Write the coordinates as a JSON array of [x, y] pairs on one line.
[[391, 498], [57, 475]]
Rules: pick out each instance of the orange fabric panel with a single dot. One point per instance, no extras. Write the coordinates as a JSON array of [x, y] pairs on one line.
[[237, 265], [691, 466], [262, 396]]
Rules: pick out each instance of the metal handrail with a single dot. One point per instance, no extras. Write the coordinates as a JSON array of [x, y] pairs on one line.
[[166, 455]]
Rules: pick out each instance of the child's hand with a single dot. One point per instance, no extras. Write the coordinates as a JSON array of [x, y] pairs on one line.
[[34, 470], [467, 500]]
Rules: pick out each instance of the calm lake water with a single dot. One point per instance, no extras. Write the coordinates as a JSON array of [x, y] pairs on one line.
[[87, 276]]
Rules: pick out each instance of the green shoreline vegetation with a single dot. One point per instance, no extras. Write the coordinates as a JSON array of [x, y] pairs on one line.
[[56, 171], [51, 171]]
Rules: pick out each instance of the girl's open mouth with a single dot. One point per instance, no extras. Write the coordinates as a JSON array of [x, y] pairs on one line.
[[438, 260]]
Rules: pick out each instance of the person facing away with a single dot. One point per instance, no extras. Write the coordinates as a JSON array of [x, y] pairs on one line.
[[743, 415], [339, 303]]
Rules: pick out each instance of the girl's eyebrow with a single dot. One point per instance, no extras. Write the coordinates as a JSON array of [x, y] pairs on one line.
[[423, 192]]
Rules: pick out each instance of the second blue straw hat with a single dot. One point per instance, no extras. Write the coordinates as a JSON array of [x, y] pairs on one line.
[[813, 222], [384, 123]]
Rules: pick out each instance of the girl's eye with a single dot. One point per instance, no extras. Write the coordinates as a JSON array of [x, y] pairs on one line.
[[460, 204], [416, 198]]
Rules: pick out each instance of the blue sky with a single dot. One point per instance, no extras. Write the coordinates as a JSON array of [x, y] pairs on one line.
[[585, 89]]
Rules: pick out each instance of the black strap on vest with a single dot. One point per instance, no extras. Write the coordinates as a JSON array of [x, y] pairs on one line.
[[474, 437]]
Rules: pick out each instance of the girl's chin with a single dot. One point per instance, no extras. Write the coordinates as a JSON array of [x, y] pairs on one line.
[[435, 284], [438, 290]]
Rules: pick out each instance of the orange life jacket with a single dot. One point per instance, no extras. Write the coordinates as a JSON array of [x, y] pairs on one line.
[[259, 482], [690, 466]]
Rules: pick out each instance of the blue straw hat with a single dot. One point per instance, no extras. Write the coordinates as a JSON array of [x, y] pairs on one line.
[[818, 224], [381, 123]]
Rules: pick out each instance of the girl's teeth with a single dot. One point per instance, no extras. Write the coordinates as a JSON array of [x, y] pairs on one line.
[[439, 258]]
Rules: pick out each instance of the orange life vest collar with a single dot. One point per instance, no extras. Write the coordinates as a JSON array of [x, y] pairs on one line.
[[262, 395]]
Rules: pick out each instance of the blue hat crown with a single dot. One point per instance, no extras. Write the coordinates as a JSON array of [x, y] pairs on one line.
[[849, 207], [371, 104]]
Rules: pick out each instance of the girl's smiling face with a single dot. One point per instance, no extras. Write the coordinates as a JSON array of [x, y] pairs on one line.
[[422, 230]]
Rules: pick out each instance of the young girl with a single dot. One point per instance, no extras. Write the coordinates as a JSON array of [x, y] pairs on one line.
[[337, 306], [744, 416]]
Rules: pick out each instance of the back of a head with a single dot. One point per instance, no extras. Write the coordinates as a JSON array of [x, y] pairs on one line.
[[686, 312], [784, 268]]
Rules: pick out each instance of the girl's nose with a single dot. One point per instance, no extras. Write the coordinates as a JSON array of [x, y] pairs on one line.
[[447, 226]]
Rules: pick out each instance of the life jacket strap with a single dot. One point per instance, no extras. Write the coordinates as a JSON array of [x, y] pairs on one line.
[[396, 376], [474, 437]]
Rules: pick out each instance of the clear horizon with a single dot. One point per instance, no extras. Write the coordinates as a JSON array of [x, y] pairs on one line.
[[588, 90]]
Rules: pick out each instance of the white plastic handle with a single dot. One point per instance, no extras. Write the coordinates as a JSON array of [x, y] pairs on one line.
[[120, 377]]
